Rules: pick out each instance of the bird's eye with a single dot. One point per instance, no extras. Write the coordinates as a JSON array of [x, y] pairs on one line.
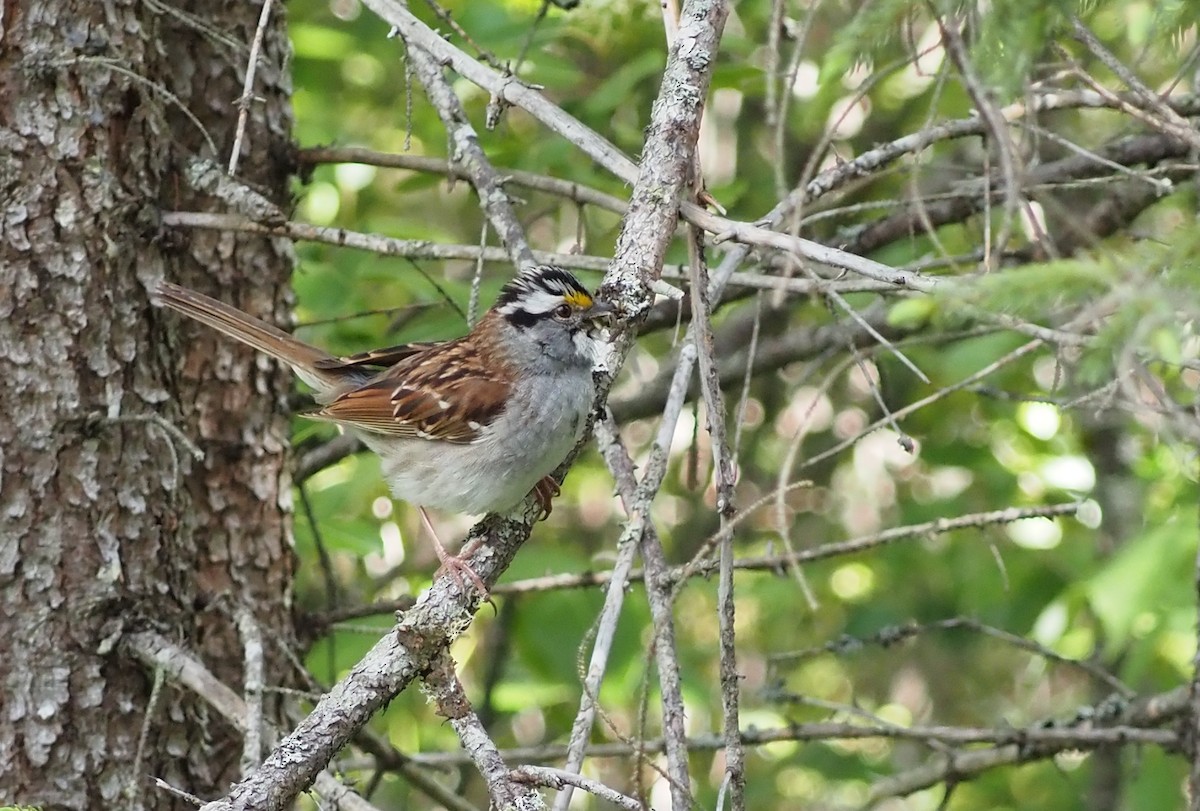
[[562, 312]]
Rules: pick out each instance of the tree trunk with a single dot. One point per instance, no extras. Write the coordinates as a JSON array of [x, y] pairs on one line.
[[108, 523]]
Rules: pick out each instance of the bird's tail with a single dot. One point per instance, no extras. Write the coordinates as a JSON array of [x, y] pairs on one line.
[[252, 331]]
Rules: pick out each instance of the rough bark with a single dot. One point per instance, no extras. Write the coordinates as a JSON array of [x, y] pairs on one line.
[[107, 522]]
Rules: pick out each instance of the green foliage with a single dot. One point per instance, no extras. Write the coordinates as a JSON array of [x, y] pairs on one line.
[[1036, 292], [1012, 36], [873, 28], [1060, 425], [911, 313], [1135, 591]]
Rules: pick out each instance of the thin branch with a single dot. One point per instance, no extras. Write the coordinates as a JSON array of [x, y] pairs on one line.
[[772, 353], [714, 403], [845, 307], [766, 563], [253, 684], [448, 19], [896, 634], [559, 779], [997, 128], [569, 189], [156, 652], [873, 160], [856, 545], [605, 626], [122, 67], [385, 246], [960, 765], [244, 101], [136, 781], [940, 394], [1165, 118], [972, 197], [466, 152], [423, 249], [754, 235], [199, 24], [1081, 735], [505, 88], [443, 686], [658, 594], [190, 799]]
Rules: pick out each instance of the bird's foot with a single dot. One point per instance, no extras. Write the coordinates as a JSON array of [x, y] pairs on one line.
[[545, 491], [456, 566]]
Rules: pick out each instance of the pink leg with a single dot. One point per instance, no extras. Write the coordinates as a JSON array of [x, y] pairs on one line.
[[545, 491], [453, 565]]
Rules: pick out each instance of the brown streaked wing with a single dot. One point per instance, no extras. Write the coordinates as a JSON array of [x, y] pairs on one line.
[[437, 393], [377, 358]]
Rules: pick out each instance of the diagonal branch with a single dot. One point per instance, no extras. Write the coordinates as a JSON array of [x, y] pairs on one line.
[[714, 405], [504, 88], [443, 686], [467, 153], [157, 652], [658, 594]]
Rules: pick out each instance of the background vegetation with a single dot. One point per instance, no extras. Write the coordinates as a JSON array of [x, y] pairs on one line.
[[1049, 183]]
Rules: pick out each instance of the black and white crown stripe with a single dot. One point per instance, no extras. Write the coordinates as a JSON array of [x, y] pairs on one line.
[[539, 291]]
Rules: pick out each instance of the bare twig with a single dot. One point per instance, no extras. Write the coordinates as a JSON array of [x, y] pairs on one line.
[[1082, 734], [658, 594], [156, 652], [1036, 743], [997, 127], [871, 161], [386, 246], [940, 394], [187, 797], [844, 305], [122, 67], [576, 192], [246, 99], [1164, 117], [559, 779], [605, 626], [448, 19], [442, 684], [504, 88], [466, 152], [767, 563], [638, 531], [895, 634], [253, 683], [134, 789], [714, 402]]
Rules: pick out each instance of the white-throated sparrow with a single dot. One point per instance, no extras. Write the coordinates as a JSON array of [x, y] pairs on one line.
[[469, 425]]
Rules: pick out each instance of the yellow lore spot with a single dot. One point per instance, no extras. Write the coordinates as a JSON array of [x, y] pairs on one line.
[[580, 300]]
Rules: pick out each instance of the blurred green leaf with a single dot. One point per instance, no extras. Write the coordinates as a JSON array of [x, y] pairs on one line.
[[1143, 578]]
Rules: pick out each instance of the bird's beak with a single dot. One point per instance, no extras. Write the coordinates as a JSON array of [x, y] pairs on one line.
[[601, 312], [598, 320]]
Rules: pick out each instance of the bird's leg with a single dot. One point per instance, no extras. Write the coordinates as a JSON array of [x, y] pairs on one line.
[[454, 565], [545, 491]]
